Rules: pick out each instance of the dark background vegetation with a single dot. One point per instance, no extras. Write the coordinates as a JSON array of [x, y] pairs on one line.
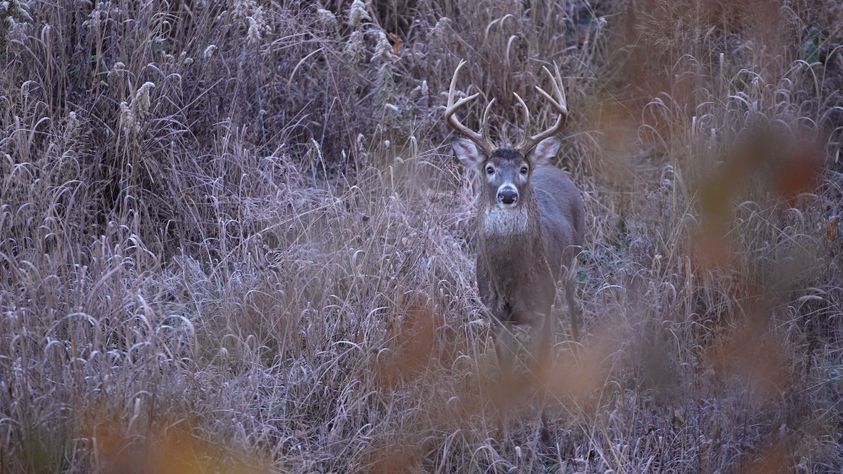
[[233, 236]]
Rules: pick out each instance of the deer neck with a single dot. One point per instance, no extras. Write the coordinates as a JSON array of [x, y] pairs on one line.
[[510, 242], [509, 235]]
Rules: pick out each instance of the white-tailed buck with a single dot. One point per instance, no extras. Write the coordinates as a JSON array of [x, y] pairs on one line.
[[531, 220]]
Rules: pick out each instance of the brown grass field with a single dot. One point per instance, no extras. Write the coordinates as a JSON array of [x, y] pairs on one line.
[[234, 238]]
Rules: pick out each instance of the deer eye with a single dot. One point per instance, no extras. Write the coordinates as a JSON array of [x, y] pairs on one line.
[[490, 170], [524, 170]]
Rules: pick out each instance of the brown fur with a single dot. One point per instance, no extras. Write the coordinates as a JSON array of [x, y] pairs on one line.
[[519, 263], [516, 273]]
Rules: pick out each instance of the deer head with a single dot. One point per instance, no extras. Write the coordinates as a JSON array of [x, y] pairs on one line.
[[506, 170]]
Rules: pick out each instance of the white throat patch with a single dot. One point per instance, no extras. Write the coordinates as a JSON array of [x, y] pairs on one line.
[[502, 221]]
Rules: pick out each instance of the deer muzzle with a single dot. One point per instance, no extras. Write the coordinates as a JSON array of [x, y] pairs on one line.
[[507, 195]]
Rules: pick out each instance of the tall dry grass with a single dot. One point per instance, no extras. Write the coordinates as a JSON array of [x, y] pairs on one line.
[[232, 237]]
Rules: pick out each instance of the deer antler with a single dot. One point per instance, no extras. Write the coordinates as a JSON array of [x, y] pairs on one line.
[[559, 103], [481, 139]]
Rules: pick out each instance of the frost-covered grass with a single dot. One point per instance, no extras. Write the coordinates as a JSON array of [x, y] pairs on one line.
[[233, 237]]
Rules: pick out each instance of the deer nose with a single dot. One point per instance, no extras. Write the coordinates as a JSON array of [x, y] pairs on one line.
[[508, 195]]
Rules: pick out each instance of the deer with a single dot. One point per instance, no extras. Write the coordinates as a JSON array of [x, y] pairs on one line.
[[530, 221]]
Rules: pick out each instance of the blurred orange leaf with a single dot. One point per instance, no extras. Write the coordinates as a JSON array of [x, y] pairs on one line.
[[397, 43], [413, 344], [799, 174], [831, 230]]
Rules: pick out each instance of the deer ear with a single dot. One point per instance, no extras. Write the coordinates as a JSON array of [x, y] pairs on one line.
[[545, 151], [467, 152]]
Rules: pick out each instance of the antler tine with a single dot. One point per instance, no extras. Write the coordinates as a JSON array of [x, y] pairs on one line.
[[559, 103], [527, 118], [481, 139], [484, 125]]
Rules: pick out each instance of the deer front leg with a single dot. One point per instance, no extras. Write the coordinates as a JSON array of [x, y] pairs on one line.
[[542, 339], [573, 307], [505, 347], [505, 350]]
